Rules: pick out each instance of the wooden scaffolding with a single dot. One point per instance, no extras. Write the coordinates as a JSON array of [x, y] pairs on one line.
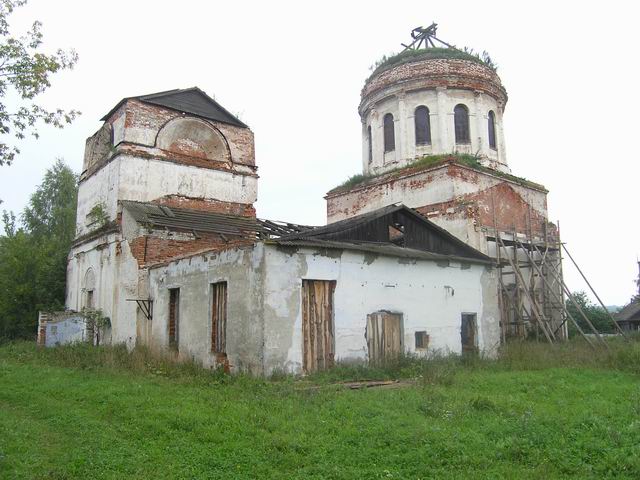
[[532, 293]]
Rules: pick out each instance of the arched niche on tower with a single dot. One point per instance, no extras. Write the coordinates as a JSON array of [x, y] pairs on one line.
[[194, 138]]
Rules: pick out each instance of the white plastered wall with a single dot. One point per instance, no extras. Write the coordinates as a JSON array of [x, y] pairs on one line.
[[430, 297], [142, 179], [116, 281], [441, 103], [264, 329], [241, 269]]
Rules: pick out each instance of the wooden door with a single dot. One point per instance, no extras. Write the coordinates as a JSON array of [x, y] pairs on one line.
[[384, 336], [318, 351], [469, 333]]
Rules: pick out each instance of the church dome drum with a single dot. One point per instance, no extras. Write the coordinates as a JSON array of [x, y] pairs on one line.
[[432, 101]]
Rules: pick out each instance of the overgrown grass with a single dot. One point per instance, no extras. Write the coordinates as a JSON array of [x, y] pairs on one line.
[[111, 359], [437, 367], [429, 161], [538, 411]]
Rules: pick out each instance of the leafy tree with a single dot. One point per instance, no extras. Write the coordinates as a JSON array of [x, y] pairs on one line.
[[33, 255], [595, 313], [25, 73]]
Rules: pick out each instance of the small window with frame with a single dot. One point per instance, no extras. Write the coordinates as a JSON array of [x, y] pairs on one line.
[[422, 340]]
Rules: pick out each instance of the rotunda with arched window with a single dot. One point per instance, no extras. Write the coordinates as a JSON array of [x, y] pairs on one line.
[[429, 102]]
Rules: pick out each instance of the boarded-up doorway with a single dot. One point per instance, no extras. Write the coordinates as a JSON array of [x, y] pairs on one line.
[[318, 350], [469, 333], [384, 336]]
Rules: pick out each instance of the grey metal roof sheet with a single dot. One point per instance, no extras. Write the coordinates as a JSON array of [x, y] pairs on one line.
[[159, 216], [388, 249], [280, 233], [188, 100]]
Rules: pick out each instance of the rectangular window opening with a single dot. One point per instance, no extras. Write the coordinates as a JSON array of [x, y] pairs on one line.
[[89, 303], [219, 317], [174, 316], [469, 333], [422, 340]]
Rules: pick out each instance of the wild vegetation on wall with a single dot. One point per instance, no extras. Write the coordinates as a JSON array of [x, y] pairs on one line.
[[391, 60], [33, 253], [429, 161]]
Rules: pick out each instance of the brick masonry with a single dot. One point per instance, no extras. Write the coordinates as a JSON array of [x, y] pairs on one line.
[[208, 205], [156, 248], [134, 128], [450, 192], [432, 73]]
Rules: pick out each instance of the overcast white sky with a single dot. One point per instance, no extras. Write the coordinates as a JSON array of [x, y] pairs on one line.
[[293, 72]]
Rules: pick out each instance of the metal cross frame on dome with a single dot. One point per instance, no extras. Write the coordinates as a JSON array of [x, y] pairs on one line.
[[424, 36]]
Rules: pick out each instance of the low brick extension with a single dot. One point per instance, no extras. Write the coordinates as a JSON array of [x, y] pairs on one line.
[[150, 250]]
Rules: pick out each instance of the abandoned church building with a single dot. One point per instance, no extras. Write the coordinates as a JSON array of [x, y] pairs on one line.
[[436, 247]]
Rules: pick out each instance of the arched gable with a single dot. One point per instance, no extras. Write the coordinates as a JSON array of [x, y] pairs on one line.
[[194, 138]]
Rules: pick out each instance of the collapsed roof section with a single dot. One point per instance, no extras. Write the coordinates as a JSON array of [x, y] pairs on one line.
[[395, 230]]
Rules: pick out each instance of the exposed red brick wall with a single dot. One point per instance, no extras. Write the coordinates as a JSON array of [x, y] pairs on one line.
[[142, 116], [512, 212], [145, 116], [431, 73], [208, 205], [149, 250]]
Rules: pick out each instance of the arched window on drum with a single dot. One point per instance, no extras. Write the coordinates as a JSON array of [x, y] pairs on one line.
[[422, 126], [461, 120], [491, 119], [389, 133]]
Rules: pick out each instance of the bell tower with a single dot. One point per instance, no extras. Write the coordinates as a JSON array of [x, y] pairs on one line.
[[173, 153]]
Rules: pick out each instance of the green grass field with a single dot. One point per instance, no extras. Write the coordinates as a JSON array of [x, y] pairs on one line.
[[81, 412]]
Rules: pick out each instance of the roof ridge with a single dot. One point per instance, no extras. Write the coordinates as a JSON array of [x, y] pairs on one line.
[[207, 107]]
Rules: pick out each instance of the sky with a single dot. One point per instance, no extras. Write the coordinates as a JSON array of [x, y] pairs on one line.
[[293, 72]]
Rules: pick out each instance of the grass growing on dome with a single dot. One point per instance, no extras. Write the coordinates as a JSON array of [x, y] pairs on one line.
[[388, 61]]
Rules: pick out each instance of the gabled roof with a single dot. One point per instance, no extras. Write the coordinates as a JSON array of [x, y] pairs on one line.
[[423, 235], [629, 313], [187, 100]]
